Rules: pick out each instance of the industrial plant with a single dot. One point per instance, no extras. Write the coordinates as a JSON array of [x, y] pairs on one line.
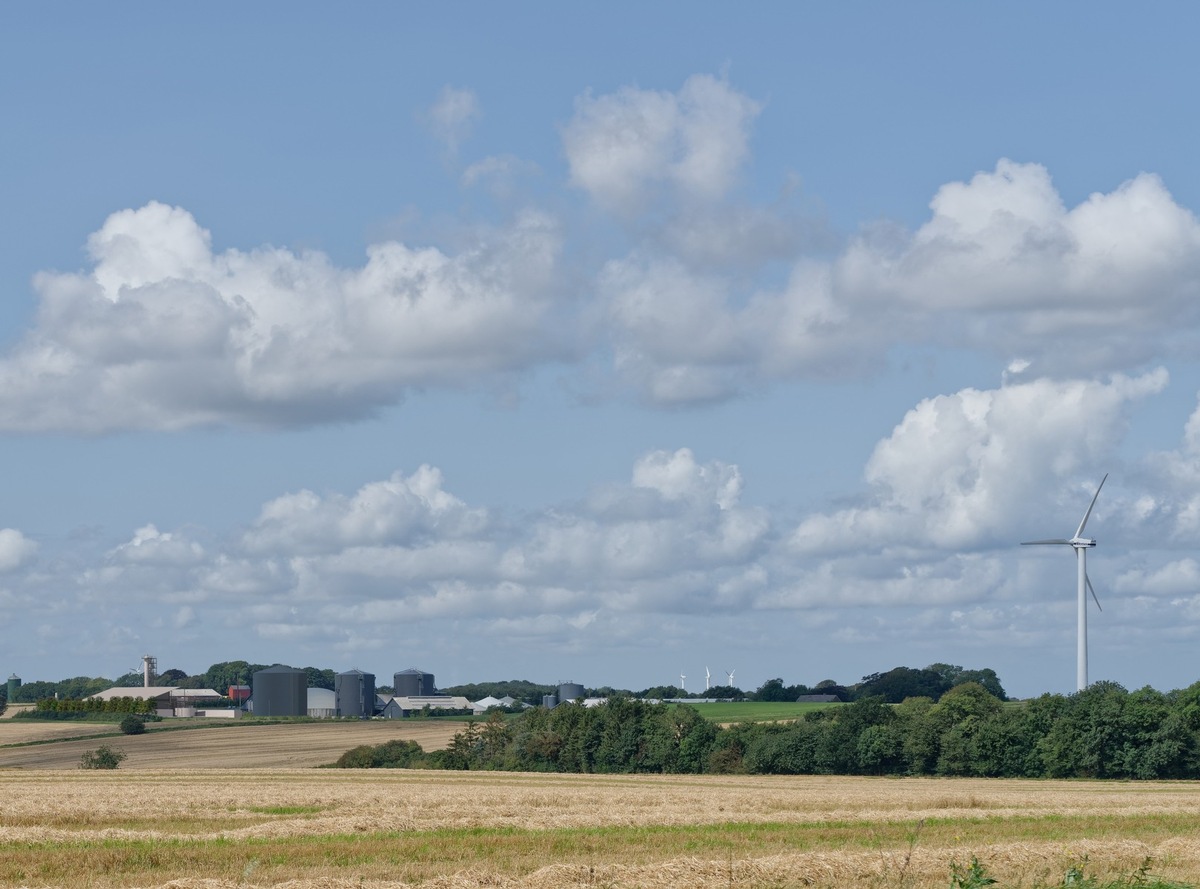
[[283, 691]]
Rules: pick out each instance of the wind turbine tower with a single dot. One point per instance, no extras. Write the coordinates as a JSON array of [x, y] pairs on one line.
[[682, 687], [1081, 545], [706, 678]]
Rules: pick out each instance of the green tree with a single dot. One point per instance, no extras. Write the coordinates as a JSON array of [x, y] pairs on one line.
[[943, 738], [787, 749], [1090, 737], [103, 757], [829, 687], [622, 722], [132, 725], [220, 676], [837, 751], [955, 675], [880, 749], [987, 678], [494, 740], [772, 690], [1005, 747], [662, 693], [725, 693], [318, 678], [903, 682], [462, 750], [518, 689]]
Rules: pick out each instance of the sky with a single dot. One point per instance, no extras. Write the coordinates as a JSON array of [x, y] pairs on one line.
[[612, 343]]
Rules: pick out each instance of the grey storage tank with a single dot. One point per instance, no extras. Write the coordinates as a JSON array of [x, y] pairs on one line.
[[413, 683], [549, 701], [354, 692], [14, 682], [569, 691], [280, 691]]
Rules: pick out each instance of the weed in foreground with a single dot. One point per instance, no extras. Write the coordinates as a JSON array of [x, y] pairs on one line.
[[971, 876], [975, 876]]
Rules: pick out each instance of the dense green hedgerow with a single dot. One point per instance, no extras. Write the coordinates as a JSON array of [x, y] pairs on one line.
[[391, 755], [1102, 732]]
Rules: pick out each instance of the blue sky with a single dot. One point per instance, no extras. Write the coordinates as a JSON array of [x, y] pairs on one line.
[[599, 342]]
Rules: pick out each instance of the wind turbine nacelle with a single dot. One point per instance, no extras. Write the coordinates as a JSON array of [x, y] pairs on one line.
[[1081, 541]]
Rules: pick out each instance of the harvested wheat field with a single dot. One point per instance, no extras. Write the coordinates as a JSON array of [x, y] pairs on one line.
[[221, 745], [304, 829]]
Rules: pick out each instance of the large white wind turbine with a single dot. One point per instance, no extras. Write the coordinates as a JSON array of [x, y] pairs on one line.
[[1081, 544]]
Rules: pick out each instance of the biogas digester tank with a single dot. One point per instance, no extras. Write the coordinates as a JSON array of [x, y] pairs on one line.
[[354, 693], [413, 683], [280, 691], [569, 691]]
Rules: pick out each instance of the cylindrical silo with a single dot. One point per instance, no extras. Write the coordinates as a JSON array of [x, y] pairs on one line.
[[407, 683], [280, 691], [354, 692], [14, 682], [413, 683], [569, 691], [549, 701]]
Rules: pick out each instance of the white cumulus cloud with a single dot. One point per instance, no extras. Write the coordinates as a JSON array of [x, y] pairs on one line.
[[163, 333], [452, 116], [961, 469], [16, 550], [623, 144]]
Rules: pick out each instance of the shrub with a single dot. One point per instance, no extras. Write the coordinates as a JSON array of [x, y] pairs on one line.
[[389, 755], [103, 757], [132, 725]]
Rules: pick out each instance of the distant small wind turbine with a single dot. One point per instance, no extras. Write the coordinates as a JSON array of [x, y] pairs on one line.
[[730, 673], [1081, 545], [706, 678], [682, 687]]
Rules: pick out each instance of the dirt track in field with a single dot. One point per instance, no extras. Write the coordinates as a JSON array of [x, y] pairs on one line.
[[239, 746]]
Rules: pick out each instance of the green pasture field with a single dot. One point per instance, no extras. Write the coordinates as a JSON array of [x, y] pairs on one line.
[[756, 711]]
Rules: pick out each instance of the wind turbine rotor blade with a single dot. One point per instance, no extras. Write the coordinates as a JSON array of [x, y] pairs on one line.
[[1045, 542], [1092, 590], [1088, 514]]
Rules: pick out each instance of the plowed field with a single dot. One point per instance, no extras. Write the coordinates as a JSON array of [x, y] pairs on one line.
[[230, 746]]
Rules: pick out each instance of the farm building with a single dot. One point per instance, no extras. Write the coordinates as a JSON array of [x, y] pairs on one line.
[[322, 703], [170, 701], [398, 706], [239, 694], [482, 706]]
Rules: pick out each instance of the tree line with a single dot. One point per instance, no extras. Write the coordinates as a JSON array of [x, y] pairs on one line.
[[94, 705], [1101, 732]]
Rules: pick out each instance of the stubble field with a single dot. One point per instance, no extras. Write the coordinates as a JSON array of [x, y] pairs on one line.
[[205, 828], [223, 744]]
